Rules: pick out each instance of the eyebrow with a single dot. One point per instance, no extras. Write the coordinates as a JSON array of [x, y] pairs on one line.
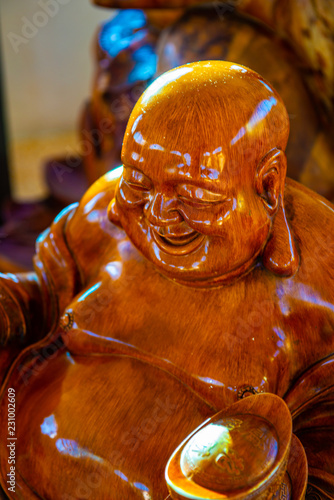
[[210, 183]]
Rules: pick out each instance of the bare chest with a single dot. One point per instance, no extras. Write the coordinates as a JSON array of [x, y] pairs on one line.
[[218, 341]]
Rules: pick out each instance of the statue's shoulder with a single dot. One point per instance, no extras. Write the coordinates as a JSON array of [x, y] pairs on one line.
[[306, 208], [89, 230], [100, 193], [311, 218]]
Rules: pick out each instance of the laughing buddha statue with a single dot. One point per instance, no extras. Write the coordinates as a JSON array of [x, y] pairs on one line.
[[176, 338]]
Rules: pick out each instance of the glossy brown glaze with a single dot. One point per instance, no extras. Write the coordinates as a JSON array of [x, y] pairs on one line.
[[201, 34], [295, 55], [188, 279], [215, 32], [127, 49]]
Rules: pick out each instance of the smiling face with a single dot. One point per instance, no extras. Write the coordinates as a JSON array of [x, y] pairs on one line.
[[190, 227], [186, 197]]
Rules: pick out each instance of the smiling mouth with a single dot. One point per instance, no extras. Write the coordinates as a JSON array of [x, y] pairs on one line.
[[178, 244]]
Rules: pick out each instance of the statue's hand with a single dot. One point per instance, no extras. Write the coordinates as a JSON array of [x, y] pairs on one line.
[[245, 451]]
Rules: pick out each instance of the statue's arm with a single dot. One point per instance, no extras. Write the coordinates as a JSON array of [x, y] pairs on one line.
[[311, 402], [31, 304]]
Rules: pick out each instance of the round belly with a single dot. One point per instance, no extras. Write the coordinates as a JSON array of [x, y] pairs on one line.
[[100, 427]]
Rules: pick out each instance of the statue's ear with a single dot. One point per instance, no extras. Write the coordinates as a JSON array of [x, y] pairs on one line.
[[280, 255], [269, 179], [113, 215]]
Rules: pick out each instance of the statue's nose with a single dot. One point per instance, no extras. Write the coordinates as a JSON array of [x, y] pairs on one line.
[[162, 211]]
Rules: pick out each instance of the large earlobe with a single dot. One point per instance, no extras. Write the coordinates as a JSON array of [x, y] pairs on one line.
[[280, 255], [113, 215]]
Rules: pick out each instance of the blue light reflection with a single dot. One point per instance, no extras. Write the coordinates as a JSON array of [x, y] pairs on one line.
[[49, 427], [121, 31], [71, 448], [141, 486], [89, 291], [261, 111], [145, 64]]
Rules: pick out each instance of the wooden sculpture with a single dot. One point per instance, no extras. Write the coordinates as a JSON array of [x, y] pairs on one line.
[[132, 48], [194, 283], [288, 42]]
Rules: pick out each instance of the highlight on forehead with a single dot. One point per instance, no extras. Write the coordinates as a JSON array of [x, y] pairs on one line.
[[205, 107], [165, 139], [207, 166]]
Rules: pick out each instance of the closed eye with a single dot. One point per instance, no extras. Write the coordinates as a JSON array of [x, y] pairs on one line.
[[196, 196], [136, 179], [139, 187]]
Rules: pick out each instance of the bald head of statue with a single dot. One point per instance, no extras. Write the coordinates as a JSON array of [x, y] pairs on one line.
[[203, 175]]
